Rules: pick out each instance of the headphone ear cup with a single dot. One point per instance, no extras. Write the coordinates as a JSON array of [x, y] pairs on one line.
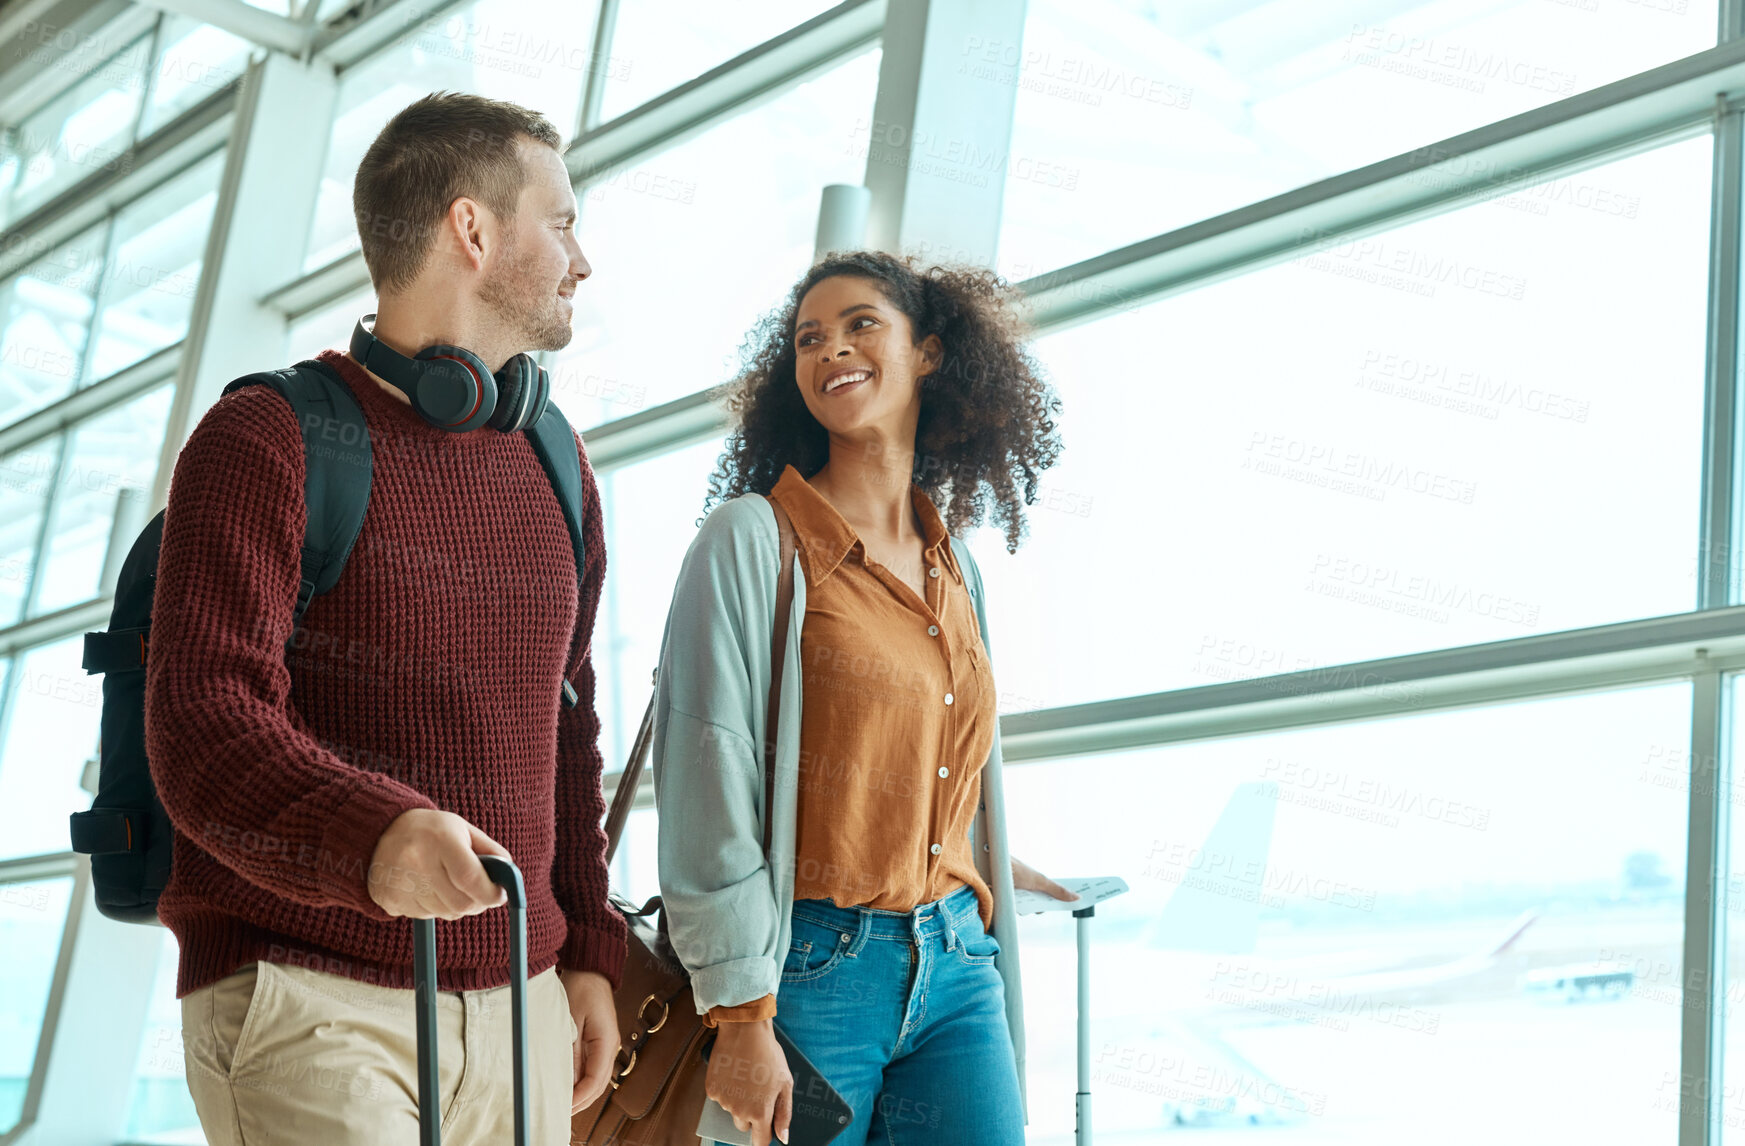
[[522, 391], [543, 399], [455, 391]]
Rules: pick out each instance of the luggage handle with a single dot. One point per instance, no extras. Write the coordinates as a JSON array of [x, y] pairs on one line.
[[506, 874]]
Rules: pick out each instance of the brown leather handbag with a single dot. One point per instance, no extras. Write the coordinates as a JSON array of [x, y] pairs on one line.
[[656, 1094]]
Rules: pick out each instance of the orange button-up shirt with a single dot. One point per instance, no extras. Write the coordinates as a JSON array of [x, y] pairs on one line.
[[897, 720]]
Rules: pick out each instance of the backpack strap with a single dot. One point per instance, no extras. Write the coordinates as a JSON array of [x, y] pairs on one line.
[[336, 484], [336, 446], [554, 443]]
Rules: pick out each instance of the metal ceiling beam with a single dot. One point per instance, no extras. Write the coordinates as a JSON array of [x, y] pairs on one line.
[[657, 430], [256, 25], [1602, 657]]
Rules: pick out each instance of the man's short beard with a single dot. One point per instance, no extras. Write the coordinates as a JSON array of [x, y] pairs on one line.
[[524, 308]]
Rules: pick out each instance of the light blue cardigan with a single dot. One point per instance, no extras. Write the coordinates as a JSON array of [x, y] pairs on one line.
[[727, 910]]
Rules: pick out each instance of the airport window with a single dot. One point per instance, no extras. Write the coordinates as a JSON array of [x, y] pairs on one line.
[[153, 269], [32, 916], [634, 869], [1486, 419], [1236, 107], [85, 130], [329, 327], [656, 47], [488, 48], [195, 61], [26, 476], [46, 309], [48, 730], [160, 1108], [692, 245], [105, 479], [1327, 927], [1383, 445], [657, 503]]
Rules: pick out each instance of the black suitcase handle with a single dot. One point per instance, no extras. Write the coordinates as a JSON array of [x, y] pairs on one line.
[[508, 875]]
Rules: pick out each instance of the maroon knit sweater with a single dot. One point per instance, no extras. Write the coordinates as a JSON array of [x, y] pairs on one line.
[[428, 677]]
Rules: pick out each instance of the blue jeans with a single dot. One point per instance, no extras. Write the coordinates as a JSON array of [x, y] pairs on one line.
[[904, 1013]]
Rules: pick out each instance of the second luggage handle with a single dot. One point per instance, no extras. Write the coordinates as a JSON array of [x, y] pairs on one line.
[[506, 874]]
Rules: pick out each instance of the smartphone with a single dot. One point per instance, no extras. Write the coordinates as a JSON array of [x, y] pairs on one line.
[[820, 1113]]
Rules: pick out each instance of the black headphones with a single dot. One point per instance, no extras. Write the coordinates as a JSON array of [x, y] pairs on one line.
[[452, 388]]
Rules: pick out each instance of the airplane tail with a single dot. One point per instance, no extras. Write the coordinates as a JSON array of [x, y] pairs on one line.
[[1216, 904], [1514, 931]]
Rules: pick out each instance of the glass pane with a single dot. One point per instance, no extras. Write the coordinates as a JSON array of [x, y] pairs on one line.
[[32, 917], [1383, 446], [742, 232], [51, 730], [651, 511], [515, 50], [1134, 118], [113, 452], [636, 867], [151, 278], [86, 129], [45, 318], [161, 1106], [25, 478], [1349, 934], [329, 327], [657, 47], [197, 60], [1673, 772]]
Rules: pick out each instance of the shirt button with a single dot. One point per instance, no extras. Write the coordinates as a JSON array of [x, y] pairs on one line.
[[944, 772], [948, 698], [934, 849], [933, 630], [933, 572]]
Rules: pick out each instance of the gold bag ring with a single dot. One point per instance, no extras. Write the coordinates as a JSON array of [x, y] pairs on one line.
[[642, 1013]]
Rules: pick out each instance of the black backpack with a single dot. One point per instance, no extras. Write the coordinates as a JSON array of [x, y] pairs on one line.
[[126, 833]]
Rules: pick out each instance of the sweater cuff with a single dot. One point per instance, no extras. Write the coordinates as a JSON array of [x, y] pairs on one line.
[[593, 949], [755, 1011], [343, 863]]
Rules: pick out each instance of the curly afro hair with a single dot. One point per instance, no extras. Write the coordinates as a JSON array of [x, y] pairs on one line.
[[986, 428]]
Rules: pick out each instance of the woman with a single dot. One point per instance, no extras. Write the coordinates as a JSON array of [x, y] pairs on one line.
[[871, 932]]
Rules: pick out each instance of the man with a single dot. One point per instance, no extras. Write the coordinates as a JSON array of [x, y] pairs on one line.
[[325, 795]]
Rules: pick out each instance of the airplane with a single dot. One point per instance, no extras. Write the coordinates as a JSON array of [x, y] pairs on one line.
[[1204, 984]]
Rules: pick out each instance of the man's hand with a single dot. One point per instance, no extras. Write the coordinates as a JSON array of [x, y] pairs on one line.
[[426, 866], [596, 1045], [749, 1077], [1027, 878]]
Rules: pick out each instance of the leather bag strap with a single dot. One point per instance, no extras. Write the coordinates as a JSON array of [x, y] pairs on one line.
[[624, 795]]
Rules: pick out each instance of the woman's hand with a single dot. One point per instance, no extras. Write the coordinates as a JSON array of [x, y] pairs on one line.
[[748, 1075], [1027, 878]]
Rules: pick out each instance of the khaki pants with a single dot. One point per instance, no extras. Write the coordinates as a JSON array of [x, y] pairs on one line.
[[279, 1054]]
